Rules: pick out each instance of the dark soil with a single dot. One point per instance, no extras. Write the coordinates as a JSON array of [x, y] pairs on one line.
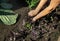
[[44, 29]]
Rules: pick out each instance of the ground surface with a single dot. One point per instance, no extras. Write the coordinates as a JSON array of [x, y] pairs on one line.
[[44, 29]]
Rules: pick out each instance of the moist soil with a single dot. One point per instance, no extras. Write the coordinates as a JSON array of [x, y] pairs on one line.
[[45, 29]]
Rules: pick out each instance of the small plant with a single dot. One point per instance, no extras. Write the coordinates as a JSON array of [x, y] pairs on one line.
[[32, 3], [28, 25]]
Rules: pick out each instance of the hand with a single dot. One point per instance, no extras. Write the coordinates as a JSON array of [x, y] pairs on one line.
[[32, 13], [53, 4]]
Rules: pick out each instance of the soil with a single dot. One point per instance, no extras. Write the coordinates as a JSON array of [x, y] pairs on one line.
[[44, 29]]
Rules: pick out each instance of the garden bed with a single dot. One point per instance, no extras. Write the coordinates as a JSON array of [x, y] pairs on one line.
[[44, 29]]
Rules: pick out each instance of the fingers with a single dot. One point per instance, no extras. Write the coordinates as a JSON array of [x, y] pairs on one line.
[[49, 9], [32, 13], [40, 5], [41, 14]]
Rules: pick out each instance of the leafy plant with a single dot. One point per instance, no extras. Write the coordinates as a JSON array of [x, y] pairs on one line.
[[6, 5], [8, 19], [7, 16], [32, 3]]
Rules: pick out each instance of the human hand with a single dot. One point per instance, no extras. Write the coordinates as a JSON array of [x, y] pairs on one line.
[[53, 4]]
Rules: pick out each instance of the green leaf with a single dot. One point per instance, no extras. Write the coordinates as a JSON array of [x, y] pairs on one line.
[[8, 19], [7, 11], [6, 5]]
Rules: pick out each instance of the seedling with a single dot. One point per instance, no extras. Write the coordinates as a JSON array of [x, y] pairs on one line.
[[28, 25]]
